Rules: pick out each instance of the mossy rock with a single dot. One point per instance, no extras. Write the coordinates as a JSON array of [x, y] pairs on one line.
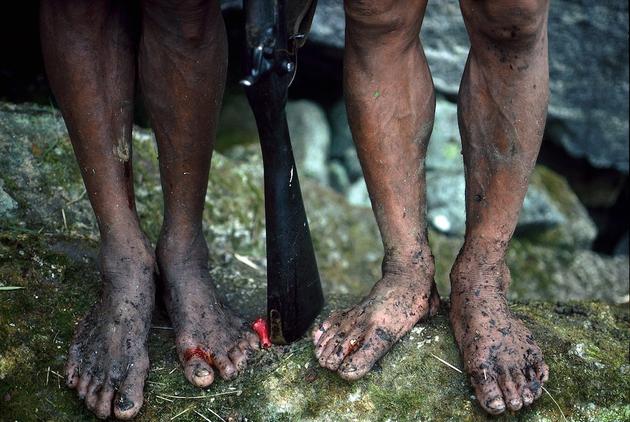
[[48, 244], [585, 344]]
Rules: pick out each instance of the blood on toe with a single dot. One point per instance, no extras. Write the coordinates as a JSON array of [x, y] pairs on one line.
[[197, 352]]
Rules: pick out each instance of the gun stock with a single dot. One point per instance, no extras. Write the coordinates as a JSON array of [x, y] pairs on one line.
[[294, 294]]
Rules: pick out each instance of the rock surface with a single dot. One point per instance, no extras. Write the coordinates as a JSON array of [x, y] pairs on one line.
[[585, 345], [588, 44], [50, 255], [310, 137]]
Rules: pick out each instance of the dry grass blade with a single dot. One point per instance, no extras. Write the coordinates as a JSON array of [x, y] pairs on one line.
[[57, 374], [245, 260], [216, 414], [77, 199], [181, 413], [447, 364], [564, 418], [208, 396], [65, 222], [8, 288], [202, 416], [213, 412]]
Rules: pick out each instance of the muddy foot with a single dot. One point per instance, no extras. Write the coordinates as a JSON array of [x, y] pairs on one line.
[[108, 360], [352, 341], [209, 336], [505, 365]]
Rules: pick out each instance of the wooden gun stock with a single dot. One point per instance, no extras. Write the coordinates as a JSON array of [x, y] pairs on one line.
[[294, 293]]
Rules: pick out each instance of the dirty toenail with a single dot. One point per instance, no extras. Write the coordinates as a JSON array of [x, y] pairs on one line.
[[515, 404], [349, 368], [124, 403], [201, 372], [496, 404]]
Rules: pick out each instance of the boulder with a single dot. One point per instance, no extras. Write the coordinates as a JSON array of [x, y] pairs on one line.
[[308, 127], [338, 176], [588, 51], [7, 204], [310, 138], [342, 146], [585, 345], [52, 259]]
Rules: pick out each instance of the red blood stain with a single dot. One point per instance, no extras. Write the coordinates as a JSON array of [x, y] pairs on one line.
[[197, 352], [261, 328]]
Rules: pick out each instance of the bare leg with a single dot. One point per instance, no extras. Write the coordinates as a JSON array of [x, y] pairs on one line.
[[89, 55], [390, 102], [502, 108], [182, 71]]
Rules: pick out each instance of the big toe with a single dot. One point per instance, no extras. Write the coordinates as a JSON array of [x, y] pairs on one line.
[[489, 394], [129, 399], [320, 330], [198, 372]]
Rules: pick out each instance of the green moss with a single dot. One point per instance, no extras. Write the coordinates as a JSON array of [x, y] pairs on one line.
[[585, 343], [286, 383]]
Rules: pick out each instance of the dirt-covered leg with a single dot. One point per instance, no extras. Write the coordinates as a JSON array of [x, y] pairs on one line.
[[89, 51], [183, 61], [390, 102], [502, 109]]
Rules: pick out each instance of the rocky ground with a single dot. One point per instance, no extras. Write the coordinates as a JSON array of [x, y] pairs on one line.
[[48, 279]]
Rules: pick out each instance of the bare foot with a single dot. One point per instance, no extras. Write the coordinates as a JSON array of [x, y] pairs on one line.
[[207, 333], [352, 341], [108, 360], [505, 365]]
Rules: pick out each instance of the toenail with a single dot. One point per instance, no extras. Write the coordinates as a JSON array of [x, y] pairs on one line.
[[200, 373], [349, 368], [124, 403], [496, 404]]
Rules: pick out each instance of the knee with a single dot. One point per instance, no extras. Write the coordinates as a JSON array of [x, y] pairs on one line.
[[515, 22], [186, 20], [371, 20]]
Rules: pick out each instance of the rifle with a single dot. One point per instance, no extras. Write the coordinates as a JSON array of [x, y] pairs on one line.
[[274, 31]]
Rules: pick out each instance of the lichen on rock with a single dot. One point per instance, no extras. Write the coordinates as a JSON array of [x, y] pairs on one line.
[[52, 259]]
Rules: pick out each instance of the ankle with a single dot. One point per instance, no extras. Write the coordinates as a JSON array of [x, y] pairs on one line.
[[126, 241], [479, 272], [127, 261], [408, 260], [186, 243]]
